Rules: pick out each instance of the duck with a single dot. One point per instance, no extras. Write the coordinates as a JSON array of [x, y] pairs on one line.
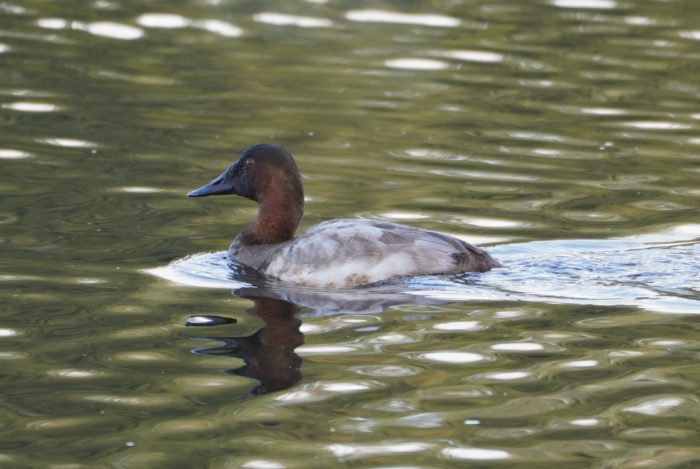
[[335, 254]]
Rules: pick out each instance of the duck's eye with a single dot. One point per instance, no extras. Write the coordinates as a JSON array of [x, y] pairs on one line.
[[249, 164]]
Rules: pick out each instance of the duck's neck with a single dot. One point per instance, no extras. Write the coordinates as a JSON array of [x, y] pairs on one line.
[[277, 220]]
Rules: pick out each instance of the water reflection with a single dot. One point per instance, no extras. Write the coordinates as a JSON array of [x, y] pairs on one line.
[[329, 302], [269, 353]]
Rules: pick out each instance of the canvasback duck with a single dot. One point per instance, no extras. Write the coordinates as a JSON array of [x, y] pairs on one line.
[[333, 254]]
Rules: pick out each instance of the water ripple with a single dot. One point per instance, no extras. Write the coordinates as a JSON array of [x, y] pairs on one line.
[[52, 23], [174, 21], [219, 27], [280, 19], [475, 454], [26, 106], [473, 56], [321, 391], [384, 16], [668, 406], [163, 20], [586, 4], [68, 142], [416, 64], [111, 30], [453, 357], [9, 154], [359, 451]]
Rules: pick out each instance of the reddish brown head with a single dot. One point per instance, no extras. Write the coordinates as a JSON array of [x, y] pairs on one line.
[[267, 174]]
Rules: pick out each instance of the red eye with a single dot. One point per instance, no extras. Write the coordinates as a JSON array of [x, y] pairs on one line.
[[249, 164]]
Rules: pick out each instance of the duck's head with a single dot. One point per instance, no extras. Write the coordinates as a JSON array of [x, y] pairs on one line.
[[262, 171]]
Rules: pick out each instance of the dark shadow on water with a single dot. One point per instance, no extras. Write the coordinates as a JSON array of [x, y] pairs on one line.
[[268, 354]]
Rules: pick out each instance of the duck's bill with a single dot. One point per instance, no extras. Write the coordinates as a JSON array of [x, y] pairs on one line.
[[218, 186]]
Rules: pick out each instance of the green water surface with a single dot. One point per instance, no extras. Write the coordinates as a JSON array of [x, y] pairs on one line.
[[503, 122]]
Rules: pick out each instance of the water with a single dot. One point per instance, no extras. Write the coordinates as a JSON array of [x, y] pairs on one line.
[[561, 135]]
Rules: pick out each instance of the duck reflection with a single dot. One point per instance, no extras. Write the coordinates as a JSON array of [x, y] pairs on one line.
[[268, 354]]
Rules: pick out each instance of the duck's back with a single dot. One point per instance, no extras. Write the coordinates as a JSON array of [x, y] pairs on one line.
[[351, 253]]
